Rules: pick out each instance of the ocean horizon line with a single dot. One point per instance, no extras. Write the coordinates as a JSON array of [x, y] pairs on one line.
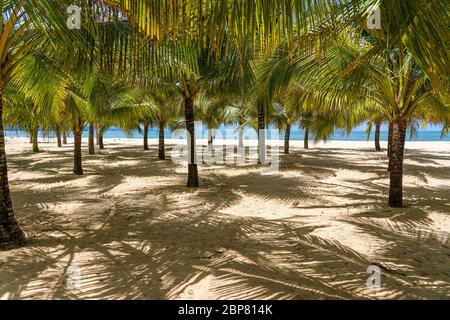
[[296, 135]]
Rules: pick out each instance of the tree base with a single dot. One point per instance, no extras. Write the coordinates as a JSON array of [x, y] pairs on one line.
[[192, 176], [78, 172], [12, 240], [395, 198], [396, 204]]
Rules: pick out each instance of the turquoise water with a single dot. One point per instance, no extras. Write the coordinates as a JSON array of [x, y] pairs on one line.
[[296, 134]]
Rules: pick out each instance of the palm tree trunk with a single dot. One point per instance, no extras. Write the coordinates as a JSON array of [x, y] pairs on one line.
[[11, 235], [192, 181], [31, 137], [161, 151], [396, 163], [287, 136], [146, 136], [97, 135], [241, 135], [306, 139], [389, 148], [377, 136], [77, 165], [58, 137], [261, 134], [210, 139], [91, 139], [101, 145], [35, 140], [64, 137]]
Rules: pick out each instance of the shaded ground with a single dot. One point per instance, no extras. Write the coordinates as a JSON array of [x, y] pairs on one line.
[[308, 232]]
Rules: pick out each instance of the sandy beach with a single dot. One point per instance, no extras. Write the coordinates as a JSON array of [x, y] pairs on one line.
[[132, 230]]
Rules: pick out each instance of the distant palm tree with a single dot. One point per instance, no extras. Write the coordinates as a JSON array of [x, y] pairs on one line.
[[284, 116]]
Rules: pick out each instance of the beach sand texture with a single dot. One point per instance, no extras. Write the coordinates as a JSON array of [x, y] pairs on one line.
[[309, 231]]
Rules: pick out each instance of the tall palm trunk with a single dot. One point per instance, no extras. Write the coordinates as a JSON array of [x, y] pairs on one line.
[[31, 137], [389, 148], [146, 136], [10, 233], [161, 151], [58, 137], [396, 163], [77, 164], [287, 136], [35, 140], [261, 134], [64, 137], [377, 136], [306, 139], [91, 138], [192, 181]]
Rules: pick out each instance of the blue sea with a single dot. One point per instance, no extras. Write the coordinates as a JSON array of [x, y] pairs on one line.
[[359, 134]]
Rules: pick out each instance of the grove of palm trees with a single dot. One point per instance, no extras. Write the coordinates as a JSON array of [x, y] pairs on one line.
[[224, 149]]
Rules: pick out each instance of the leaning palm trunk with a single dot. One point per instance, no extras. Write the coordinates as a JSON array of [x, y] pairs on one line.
[[396, 163], [77, 164], [190, 127], [146, 136], [91, 139], [10, 233], [261, 134], [161, 151], [306, 139], [377, 136], [35, 140], [287, 136]]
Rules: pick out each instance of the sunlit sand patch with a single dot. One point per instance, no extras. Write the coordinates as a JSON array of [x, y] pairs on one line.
[[81, 182], [132, 185], [352, 237], [115, 164], [252, 206], [441, 222], [24, 175]]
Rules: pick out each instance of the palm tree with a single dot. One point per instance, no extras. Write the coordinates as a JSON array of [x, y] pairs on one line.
[[391, 81], [159, 106], [212, 113], [284, 116], [25, 26]]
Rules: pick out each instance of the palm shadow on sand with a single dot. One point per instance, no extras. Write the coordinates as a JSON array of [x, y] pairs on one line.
[[163, 241]]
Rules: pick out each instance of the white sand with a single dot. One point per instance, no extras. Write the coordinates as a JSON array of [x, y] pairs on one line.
[[134, 231]]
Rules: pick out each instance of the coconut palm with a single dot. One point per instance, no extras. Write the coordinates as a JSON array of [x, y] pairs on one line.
[[25, 29], [284, 116], [392, 82], [160, 107]]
